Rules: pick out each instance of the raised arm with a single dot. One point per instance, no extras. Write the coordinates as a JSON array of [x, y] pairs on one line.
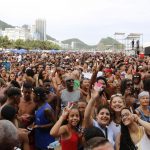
[[143, 123], [96, 68], [58, 129], [89, 109]]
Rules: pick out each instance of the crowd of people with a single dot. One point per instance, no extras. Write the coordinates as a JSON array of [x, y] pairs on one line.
[[74, 101]]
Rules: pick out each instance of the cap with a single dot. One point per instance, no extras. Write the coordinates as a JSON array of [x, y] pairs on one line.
[[144, 93], [39, 91], [108, 70]]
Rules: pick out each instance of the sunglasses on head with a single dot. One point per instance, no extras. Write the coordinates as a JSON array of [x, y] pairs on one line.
[[116, 95], [136, 76]]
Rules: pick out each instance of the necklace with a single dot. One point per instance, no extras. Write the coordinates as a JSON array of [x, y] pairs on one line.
[[117, 122], [117, 125]]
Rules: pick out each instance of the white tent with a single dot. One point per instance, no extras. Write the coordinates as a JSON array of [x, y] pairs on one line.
[[147, 44]]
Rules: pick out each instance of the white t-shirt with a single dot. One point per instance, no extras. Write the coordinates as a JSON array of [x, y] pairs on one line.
[[115, 128]]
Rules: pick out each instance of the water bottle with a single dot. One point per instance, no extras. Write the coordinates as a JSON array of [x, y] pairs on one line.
[[53, 145]]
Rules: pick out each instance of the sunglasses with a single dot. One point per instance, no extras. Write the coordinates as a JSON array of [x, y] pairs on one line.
[[71, 80], [129, 84]]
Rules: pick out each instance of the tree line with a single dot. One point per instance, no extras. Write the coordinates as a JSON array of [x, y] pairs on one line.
[[28, 44]]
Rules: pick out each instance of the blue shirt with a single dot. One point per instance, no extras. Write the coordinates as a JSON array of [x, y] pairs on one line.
[[143, 116], [42, 136]]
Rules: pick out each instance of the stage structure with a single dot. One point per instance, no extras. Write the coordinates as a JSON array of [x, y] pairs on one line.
[[120, 37], [134, 43]]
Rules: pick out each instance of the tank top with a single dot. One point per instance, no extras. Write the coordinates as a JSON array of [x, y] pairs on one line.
[[143, 116], [42, 136], [71, 143], [144, 143]]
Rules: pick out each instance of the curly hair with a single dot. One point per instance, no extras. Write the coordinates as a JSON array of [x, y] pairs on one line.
[[124, 85]]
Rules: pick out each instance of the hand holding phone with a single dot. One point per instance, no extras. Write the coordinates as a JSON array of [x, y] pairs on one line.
[[98, 86]]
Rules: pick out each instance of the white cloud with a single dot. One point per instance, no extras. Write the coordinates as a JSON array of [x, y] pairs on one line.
[[88, 20]]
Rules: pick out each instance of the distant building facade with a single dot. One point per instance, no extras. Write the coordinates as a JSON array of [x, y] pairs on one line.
[[62, 45], [34, 35], [17, 33], [40, 28], [1, 32]]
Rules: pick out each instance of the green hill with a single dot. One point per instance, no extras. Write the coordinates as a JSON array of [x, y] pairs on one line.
[[105, 43], [109, 43], [50, 38], [78, 44], [4, 25]]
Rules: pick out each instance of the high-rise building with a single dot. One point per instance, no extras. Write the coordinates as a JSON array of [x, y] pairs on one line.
[[33, 32], [40, 26]]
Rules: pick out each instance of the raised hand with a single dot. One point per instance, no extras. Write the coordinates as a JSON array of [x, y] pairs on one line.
[[66, 111], [94, 94], [127, 92], [135, 117]]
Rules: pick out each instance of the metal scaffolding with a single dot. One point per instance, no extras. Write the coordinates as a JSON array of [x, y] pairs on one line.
[[133, 48], [120, 37]]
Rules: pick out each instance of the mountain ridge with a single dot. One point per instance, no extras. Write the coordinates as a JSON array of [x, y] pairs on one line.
[[78, 44], [104, 43], [4, 25]]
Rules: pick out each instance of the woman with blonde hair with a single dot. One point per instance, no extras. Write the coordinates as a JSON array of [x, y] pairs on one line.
[[116, 105]]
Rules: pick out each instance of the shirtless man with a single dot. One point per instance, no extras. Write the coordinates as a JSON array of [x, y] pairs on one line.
[[26, 106]]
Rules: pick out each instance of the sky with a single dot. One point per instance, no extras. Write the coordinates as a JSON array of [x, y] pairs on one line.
[[88, 20]]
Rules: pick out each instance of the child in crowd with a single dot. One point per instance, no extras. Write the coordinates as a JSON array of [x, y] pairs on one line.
[[69, 135]]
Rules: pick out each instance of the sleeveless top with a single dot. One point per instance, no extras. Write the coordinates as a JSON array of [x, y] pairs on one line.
[[144, 143], [143, 116], [42, 136], [71, 143]]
